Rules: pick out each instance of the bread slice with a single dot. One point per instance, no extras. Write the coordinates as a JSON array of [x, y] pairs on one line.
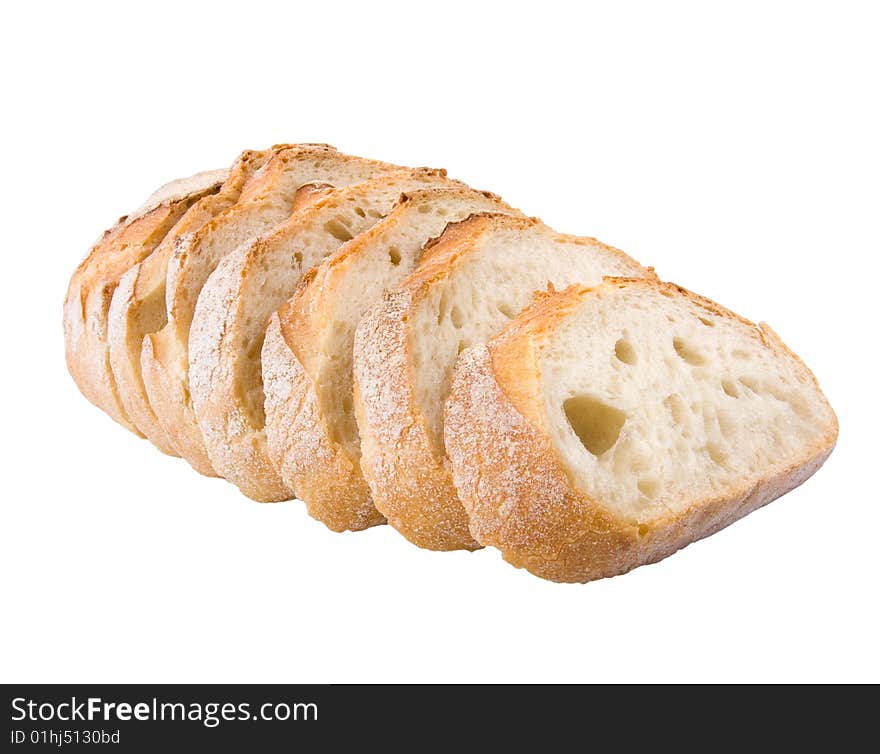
[[138, 304], [608, 427], [307, 355], [266, 200], [476, 277], [234, 307], [92, 285], [179, 188]]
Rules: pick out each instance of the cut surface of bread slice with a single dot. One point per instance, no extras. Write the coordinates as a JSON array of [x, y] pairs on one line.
[[477, 276], [91, 287], [606, 428], [307, 355], [267, 199], [233, 310], [138, 303]]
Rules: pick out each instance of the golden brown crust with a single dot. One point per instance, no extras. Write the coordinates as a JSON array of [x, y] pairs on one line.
[[319, 459], [266, 200], [138, 304], [512, 482], [164, 376], [87, 304], [181, 188], [322, 473], [164, 354], [393, 437], [410, 479], [340, 498], [229, 325]]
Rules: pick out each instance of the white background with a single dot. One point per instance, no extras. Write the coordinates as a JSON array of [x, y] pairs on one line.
[[735, 150]]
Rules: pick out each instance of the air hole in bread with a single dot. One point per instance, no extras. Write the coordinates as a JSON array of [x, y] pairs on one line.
[[336, 229], [394, 255], [424, 209], [506, 309], [375, 213], [678, 409], [717, 453], [624, 351], [649, 487], [442, 307], [643, 530], [752, 384], [360, 211], [456, 317], [687, 352], [596, 424], [729, 387], [707, 322]]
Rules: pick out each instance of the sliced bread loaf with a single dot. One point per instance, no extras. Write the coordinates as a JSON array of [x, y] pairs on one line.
[[235, 304], [138, 303], [307, 355], [608, 427], [266, 200], [476, 277], [92, 285]]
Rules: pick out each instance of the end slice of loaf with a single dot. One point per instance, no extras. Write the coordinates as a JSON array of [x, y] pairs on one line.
[[92, 285], [608, 427], [307, 355], [138, 303], [233, 310], [267, 199], [469, 284]]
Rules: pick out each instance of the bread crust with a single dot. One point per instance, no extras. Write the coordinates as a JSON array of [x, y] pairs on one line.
[[138, 304], [305, 446], [266, 200], [513, 485], [339, 496], [409, 478], [223, 339], [91, 288]]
